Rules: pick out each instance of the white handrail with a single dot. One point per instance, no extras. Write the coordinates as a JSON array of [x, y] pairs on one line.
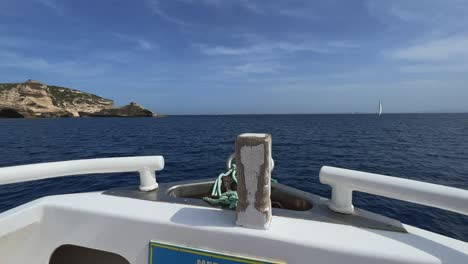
[[145, 165], [344, 182]]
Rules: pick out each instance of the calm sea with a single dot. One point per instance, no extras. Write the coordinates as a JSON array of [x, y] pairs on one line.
[[426, 147]]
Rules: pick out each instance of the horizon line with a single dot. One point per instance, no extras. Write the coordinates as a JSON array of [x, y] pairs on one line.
[[341, 113]]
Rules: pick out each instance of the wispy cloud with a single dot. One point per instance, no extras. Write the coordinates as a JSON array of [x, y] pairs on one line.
[[52, 5], [258, 49], [254, 68], [113, 56], [207, 2], [434, 50], [16, 8], [438, 55], [343, 44], [267, 47], [139, 43], [276, 8], [430, 17], [155, 7], [297, 13], [387, 10], [253, 7], [263, 8], [9, 41], [434, 68], [12, 41], [144, 44], [439, 39], [64, 68], [262, 56]]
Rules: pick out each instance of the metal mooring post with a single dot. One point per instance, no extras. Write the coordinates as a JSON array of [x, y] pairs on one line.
[[254, 165]]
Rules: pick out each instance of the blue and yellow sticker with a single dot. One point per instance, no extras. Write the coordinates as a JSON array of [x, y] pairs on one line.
[[161, 253]]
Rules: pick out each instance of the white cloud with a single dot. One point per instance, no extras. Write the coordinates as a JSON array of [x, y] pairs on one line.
[[434, 56], [113, 56], [434, 50], [223, 50], [260, 56], [144, 44], [439, 28], [16, 8], [306, 13], [428, 16], [288, 9], [64, 68], [391, 10], [435, 68], [304, 10], [343, 44], [139, 43], [254, 68], [253, 7], [52, 5], [9, 41], [275, 47], [155, 7], [208, 2]]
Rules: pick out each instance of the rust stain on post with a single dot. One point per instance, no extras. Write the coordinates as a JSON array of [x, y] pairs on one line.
[[253, 160]]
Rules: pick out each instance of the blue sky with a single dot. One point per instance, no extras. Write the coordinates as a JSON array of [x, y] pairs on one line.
[[226, 56]]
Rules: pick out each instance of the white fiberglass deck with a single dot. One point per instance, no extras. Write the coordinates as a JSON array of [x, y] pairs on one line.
[[30, 233]]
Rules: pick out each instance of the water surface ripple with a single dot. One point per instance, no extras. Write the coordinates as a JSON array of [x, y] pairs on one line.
[[427, 147]]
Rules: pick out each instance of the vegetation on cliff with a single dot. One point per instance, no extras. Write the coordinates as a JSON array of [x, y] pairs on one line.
[[7, 86], [33, 99], [61, 96], [131, 110]]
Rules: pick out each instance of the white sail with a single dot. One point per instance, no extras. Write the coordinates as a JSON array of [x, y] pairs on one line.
[[380, 108]]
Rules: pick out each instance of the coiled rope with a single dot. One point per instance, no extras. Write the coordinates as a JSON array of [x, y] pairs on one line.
[[229, 197]]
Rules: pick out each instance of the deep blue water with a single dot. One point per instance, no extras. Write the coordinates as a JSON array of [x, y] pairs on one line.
[[426, 147]]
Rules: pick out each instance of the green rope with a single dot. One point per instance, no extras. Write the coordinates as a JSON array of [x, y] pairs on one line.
[[228, 198], [216, 191]]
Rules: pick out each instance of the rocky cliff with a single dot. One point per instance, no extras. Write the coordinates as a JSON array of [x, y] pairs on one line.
[[131, 110], [33, 99]]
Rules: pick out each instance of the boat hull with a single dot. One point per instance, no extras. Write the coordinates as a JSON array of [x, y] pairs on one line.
[[125, 226]]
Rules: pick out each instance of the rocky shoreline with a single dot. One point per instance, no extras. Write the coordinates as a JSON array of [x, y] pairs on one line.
[[33, 99]]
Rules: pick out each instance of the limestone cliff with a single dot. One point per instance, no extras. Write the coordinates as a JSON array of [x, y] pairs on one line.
[[33, 99]]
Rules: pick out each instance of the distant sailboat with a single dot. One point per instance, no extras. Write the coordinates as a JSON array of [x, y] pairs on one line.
[[380, 108]]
